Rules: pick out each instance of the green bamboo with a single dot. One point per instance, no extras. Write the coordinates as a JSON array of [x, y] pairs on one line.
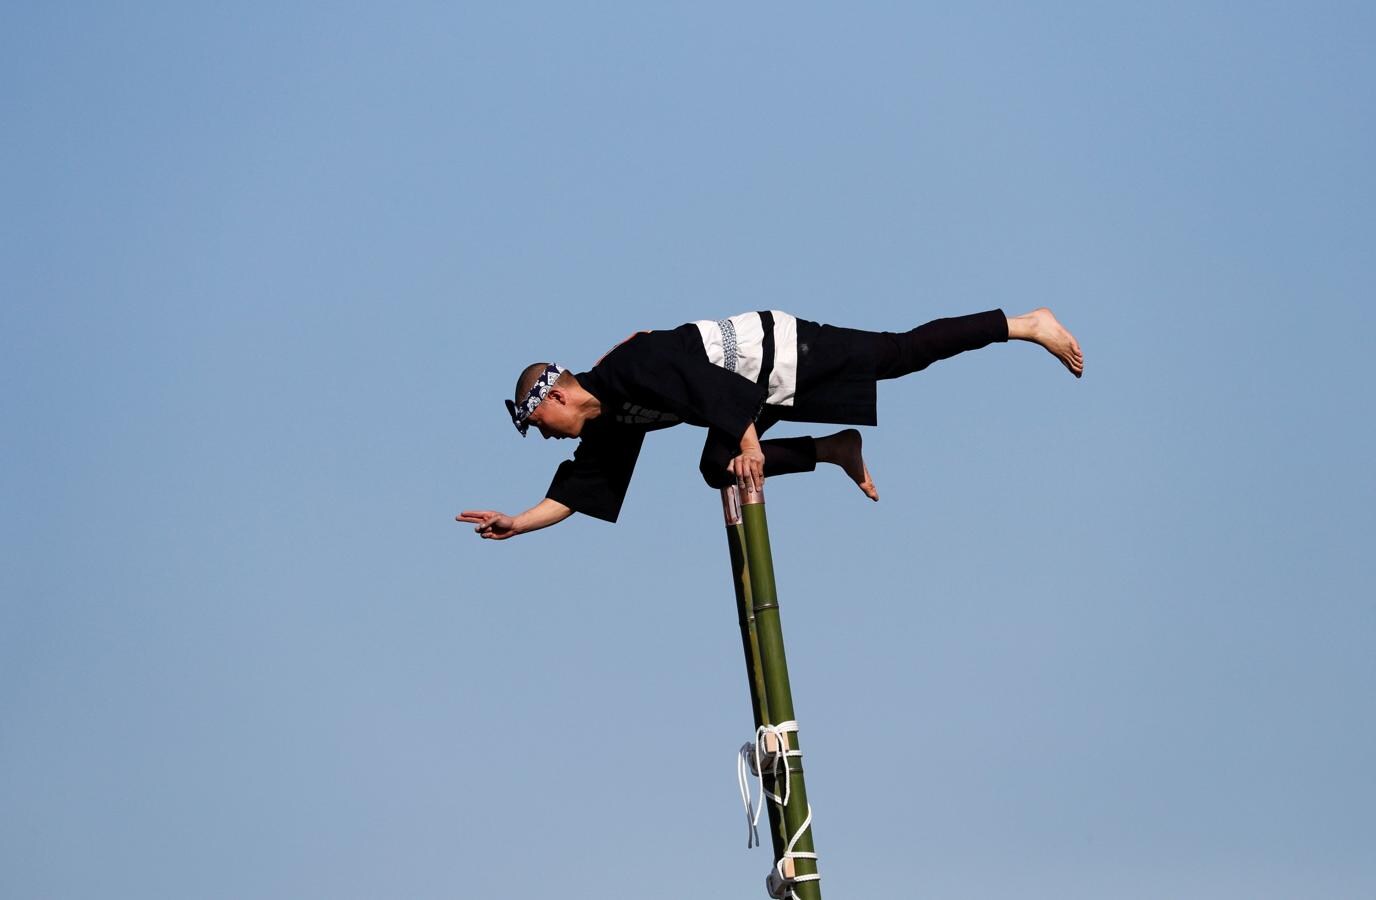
[[769, 635], [754, 669], [740, 580]]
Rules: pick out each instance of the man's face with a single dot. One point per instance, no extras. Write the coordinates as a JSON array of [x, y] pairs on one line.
[[555, 417]]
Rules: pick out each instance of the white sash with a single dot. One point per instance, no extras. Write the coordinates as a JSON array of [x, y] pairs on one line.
[[737, 344]]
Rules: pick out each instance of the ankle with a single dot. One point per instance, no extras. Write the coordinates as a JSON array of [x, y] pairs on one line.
[[1023, 328], [824, 448]]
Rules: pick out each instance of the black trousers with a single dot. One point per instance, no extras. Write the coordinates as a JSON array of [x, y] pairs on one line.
[[880, 355]]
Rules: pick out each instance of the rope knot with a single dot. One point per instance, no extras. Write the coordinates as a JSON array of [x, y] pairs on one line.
[[770, 753]]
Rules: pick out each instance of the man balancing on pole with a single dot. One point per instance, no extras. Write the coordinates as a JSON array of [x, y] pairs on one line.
[[736, 377]]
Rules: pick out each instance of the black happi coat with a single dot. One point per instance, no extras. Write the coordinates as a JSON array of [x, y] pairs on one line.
[[660, 378]]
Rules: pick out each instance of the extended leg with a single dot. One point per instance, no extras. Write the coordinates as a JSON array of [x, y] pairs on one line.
[[902, 353], [1041, 327]]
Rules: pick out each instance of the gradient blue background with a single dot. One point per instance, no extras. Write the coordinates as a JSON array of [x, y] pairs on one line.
[[268, 272]]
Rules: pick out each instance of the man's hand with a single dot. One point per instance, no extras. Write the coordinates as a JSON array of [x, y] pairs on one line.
[[489, 524], [749, 466], [495, 526]]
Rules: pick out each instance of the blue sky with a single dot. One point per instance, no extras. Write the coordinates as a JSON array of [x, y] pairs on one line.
[[268, 272]]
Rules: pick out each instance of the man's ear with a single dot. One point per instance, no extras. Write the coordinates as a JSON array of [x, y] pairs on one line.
[[556, 393]]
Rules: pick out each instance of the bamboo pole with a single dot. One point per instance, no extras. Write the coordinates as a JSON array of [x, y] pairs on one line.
[[740, 580], [754, 669], [769, 640]]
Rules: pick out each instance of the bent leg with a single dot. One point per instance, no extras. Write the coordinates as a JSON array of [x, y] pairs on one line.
[[844, 449], [782, 456]]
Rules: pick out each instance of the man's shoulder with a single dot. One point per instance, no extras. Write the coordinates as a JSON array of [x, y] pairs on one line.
[[637, 359]]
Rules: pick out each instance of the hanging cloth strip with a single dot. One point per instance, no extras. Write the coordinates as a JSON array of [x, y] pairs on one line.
[[756, 757]]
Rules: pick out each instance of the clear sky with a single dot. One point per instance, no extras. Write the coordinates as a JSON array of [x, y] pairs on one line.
[[267, 272]]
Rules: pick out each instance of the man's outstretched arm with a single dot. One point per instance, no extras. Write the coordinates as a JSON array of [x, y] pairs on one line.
[[499, 526]]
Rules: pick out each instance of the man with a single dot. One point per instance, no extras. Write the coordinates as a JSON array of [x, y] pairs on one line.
[[736, 377]]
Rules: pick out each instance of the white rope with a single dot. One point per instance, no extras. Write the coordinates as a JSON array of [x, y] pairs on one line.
[[752, 812], [780, 885], [757, 758]]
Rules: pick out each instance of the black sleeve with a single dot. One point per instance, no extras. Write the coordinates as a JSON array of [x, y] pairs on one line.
[[670, 378], [594, 482]]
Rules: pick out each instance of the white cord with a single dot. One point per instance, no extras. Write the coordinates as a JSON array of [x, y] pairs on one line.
[[752, 812], [755, 757]]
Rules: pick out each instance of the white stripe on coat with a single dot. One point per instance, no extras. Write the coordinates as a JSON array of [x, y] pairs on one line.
[[749, 333]]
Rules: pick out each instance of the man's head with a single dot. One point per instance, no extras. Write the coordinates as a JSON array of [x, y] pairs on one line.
[[547, 397]]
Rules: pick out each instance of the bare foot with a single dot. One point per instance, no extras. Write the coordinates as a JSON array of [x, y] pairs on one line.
[[843, 449], [1041, 327]]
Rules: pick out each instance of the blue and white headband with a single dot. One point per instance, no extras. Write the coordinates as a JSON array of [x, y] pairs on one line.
[[520, 415]]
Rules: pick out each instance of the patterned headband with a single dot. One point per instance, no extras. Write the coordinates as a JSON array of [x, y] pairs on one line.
[[520, 415]]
